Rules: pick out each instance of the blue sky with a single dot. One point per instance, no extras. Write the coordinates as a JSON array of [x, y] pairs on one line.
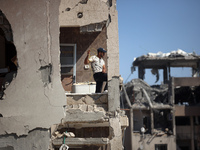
[[156, 25]]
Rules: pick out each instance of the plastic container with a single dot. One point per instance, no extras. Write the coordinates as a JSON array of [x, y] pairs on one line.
[[87, 88]]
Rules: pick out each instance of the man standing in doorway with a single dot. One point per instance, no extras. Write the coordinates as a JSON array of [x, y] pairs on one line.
[[99, 69]]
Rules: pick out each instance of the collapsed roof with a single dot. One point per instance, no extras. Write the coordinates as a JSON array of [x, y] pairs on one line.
[[164, 61], [141, 93], [177, 58]]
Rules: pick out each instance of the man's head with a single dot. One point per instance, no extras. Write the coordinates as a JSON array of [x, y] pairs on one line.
[[101, 52]]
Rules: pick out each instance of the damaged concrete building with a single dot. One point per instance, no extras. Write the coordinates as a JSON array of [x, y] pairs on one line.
[[47, 94], [165, 116]]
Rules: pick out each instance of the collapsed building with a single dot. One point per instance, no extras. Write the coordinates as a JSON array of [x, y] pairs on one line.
[[47, 94], [165, 116]]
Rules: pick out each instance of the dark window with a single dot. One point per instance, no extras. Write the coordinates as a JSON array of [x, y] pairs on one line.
[[182, 121], [160, 146]]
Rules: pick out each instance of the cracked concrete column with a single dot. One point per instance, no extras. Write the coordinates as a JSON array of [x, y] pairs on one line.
[[113, 95], [115, 133], [113, 43]]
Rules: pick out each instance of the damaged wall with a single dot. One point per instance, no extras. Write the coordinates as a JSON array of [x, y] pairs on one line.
[[89, 15], [149, 142], [100, 11], [70, 11], [35, 98], [136, 140], [113, 43], [37, 139]]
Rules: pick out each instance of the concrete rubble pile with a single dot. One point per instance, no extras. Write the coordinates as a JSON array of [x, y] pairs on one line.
[[163, 116], [158, 94]]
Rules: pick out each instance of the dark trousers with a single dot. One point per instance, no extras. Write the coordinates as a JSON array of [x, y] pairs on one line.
[[100, 77]]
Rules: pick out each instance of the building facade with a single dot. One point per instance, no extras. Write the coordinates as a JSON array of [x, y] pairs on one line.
[[164, 116], [42, 75]]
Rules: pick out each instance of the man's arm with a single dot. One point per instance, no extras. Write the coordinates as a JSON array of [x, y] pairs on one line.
[[86, 59], [104, 69]]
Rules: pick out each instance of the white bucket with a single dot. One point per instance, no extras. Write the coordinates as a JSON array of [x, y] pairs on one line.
[[85, 87]]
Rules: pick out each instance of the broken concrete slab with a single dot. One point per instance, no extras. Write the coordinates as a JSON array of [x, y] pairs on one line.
[[177, 58], [84, 124], [124, 121], [88, 99], [77, 115], [82, 141]]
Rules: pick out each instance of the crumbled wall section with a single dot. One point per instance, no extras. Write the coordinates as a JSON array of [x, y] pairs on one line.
[[36, 140], [46, 72], [35, 99], [28, 104]]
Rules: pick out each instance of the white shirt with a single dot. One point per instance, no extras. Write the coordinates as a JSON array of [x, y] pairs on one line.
[[97, 64]]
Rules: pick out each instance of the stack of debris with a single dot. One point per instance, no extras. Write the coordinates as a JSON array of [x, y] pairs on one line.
[[158, 94], [172, 54]]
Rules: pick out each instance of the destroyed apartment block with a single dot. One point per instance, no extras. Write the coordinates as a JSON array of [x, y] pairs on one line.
[[48, 98], [165, 116], [89, 119]]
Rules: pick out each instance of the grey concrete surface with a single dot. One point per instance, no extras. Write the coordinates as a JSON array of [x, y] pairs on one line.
[[36, 140], [35, 98]]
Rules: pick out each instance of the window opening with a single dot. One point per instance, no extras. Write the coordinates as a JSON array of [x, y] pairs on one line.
[[163, 121], [160, 146], [187, 96], [182, 121], [142, 119], [68, 65]]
